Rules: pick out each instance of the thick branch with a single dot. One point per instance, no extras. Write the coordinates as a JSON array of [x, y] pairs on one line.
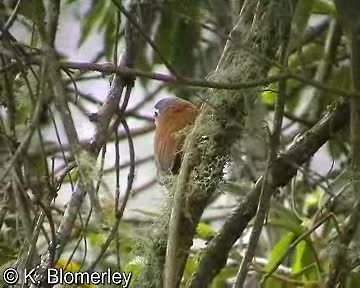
[[283, 169], [349, 12], [208, 146]]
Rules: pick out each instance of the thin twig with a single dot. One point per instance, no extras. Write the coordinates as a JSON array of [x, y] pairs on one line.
[[108, 68], [52, 245], [349, 12], [11, 19], [121, 210], [265, 195]]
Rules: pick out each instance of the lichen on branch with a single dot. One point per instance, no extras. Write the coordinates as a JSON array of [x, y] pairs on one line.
[[260, 28]]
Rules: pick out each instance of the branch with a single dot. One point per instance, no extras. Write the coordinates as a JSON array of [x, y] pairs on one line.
[[293, 245], [10, 21], [208, 145], [103, 118], [349, 12], [127, 72], [274, 141], [52, 148], [119, 211], [283, 168], [124, 71]]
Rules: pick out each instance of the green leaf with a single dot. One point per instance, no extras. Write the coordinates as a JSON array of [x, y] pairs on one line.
[[304, 258], [190, 267], [272, 283], [205, 231], [73, 176], [311, 200], [310, 54], [277, 252], [324, 7], [279, 249], [270, 94], [96, 238], [135, 266], [297, 263], [224, 275]]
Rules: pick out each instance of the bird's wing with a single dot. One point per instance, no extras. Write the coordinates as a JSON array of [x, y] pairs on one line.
[[165, 151]]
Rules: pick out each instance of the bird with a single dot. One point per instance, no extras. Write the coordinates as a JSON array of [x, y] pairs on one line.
[[171, 116]]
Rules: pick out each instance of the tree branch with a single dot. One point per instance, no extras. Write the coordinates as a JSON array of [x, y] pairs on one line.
[[283, 168], [349, 12], [124, 71], [274, 141], [103, 117], [208, 145]]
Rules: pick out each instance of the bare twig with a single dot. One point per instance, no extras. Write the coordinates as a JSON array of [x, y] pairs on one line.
[[104, 116], [46, 211], [11, 19], [52, 148], [120, 211], [130, 72], [109, 68]]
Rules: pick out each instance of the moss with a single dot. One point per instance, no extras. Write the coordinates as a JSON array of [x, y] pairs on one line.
[[219, 126]]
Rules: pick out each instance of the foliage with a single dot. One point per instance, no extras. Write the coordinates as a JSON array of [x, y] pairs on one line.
[[42, 159]]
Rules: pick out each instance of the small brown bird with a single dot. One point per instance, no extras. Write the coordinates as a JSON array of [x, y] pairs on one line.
[[171, 116]]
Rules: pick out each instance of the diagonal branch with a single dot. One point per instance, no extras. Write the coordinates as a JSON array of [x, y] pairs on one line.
[[283, 169], [274, 141], [103, 118], [349, 12], [208, 145]]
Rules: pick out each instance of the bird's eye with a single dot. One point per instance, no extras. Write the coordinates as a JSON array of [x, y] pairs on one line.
[[156, 113]]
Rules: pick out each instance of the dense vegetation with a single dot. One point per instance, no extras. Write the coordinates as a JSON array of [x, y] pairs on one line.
[[273, 158]]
